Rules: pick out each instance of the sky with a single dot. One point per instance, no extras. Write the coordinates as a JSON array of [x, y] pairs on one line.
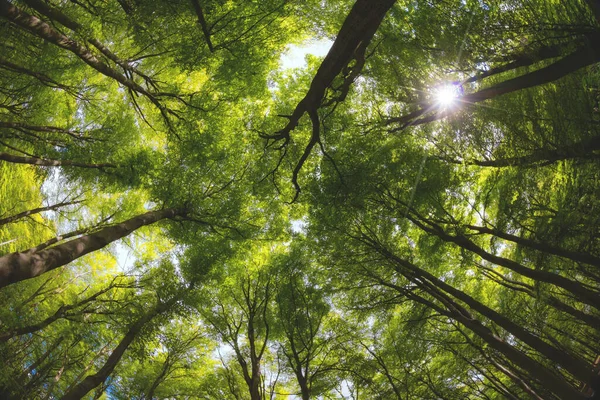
[[295, 55]]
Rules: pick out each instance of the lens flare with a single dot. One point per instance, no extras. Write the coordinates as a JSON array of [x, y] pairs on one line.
[[445, 95]]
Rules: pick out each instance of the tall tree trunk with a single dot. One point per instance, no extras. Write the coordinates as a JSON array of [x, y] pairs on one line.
[[549, 380], [579, 290], [44, 79], [91, 381], [584, 150], [59, 16], [544, 247], [16, 267], [45, 162], [356, 33], [583, 57], [575, 366], [23, 214], [60, 313], [46, 32], [203, 24], [521, 60]]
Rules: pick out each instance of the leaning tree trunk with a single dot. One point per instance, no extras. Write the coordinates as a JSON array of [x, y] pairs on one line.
[[19, 266], [424, 279], [92, 381], [580, 58], [34, 211], [45, 162], [44, 31], [579, 290]]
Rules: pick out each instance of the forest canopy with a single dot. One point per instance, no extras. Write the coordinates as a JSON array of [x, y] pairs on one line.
[[414, 215]]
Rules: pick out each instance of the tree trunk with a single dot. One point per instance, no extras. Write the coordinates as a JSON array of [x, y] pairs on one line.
[[579, 290], [23, 214], [44, 79], [203, 24], [91, 381], [543, 247], [522, 60], [575, 366], [584, 56], [16, 267], [549, 380], [45, 162], [584, 149], [46, 32]]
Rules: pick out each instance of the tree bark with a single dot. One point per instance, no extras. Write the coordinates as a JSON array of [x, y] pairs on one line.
[[23, 214], [580, 58], [579, 290], [552, 382], [91, 381], [46, 162], [16, 267], [575, 366], [522, 60], [46, 32], [203, 24], [356, 32], [544, 247]]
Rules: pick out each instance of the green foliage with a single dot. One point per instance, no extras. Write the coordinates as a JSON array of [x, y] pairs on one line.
[[432, 252]]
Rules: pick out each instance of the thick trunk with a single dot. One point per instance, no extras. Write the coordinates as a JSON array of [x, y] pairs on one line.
[[546, 248], [53, 14], [23, 214], [356, 33], [45, 162], [91, 381], [359, 26], [16, 267]]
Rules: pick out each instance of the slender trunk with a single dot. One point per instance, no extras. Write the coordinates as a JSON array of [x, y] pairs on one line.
[[59, 16], [523, 60], [45, 162], [36, 364], [203, 25], [16, 267], [46, 32], [44, 79], [46, 129], [583, 57], [161, 376], [579, 290], [544, 247], [60, 313], [23, 214], [572, 364], [91, 381], [552, 382]]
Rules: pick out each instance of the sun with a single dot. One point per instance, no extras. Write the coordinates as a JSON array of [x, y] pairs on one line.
[[445, 95]]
